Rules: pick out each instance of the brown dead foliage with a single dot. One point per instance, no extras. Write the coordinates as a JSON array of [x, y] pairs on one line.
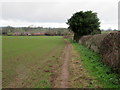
[[108, 45], [109, 49]]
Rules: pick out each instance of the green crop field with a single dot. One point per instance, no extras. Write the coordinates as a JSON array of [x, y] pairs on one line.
[[27, 61]]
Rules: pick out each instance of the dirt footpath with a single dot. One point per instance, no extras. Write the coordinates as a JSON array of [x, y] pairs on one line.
[[62, 72], [64, 69], [71, 72]]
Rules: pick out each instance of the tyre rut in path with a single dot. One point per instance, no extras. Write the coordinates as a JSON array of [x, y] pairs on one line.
[[64, 69]]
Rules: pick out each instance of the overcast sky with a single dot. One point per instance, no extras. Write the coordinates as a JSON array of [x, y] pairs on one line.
[[54, 13]]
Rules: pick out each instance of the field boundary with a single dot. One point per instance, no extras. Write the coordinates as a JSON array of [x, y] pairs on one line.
[[107, 45]]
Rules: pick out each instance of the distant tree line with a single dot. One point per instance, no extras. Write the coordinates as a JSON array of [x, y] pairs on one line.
[[34, 30]]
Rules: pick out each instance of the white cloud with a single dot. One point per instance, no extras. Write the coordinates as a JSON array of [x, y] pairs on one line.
[[17, 23], [49, 12]]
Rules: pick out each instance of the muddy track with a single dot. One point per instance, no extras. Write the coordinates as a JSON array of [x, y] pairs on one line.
[[61, 80], [64, 70], [71, 72]]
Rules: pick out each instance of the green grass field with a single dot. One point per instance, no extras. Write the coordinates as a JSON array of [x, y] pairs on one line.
[[28, 60]]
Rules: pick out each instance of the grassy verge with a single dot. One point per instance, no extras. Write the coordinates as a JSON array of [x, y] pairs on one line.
[[92, 62]]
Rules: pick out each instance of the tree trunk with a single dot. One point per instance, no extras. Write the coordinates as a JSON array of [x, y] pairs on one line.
[[76, 37]]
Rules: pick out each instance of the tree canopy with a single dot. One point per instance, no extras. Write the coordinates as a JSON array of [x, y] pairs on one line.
[[84, 23]]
